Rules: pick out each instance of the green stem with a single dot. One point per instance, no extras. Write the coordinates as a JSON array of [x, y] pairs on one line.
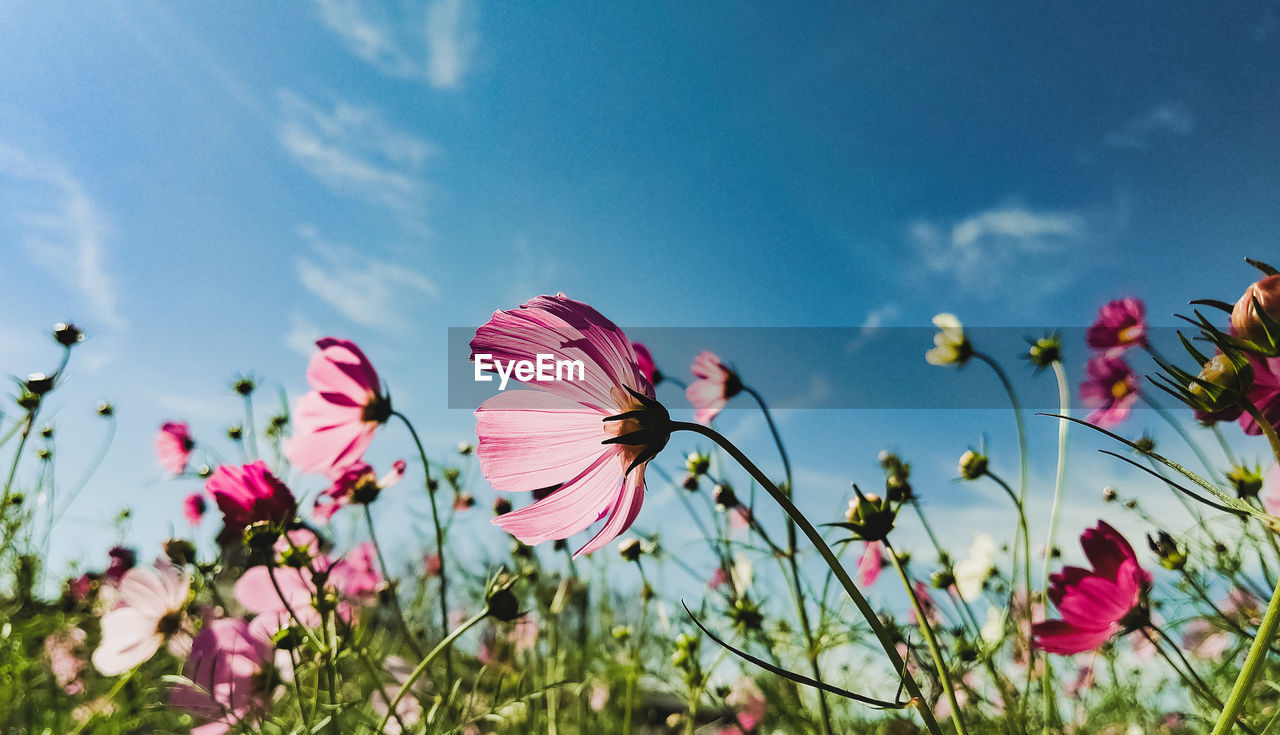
[[439, 529], [422, 665], [1266, 631], [828, 556], [927, 631], [1059, 484], [1177, 427], [392, 588]]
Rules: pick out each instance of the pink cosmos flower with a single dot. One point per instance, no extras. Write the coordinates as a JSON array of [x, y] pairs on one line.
[[745, 697], [1265, 393], [193, 507], [1097, 603], [173, 447], [714, 386], [431, 565], [1110, 391], [647, 366], [1120, 325], [334, 423], [871, 563], [718, 578], [408, 709], [150, 614], [926, 604], [358, 483], [249, 494], [356, 575], [587, 440], [229, 676]]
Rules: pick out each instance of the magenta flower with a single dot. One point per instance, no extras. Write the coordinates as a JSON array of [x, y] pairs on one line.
[[229, 676], [122, 560], [358, 483], [173, 447], [356, 575], [714, 386], [871, 563], [149, 615], [1095, 604], [355, 578], [1265, 393], [1110, 391], [334, 423], [194, 507], [249, 494], [648, 367], [585, 441], [1120, 325]]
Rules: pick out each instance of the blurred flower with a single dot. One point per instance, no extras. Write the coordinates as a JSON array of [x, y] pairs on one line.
[[714, 386], [356, 576], [335, 422], [1120, 325], [173, 447], [1110, 390], [67, 334], [590, 439], [972, 573], [63, 648], [870, 564], [229, 676], [358, 484], [250, 493], [950, 345], [750, 703], [1096, 604], [122, 560], [1172, 556], [149, 615], [599, 696], [1084, 679], [431, 565], [1204, 641], [1271, 492], [408, 709], [972, 465], [1246, 320], [644, 360], [194, 507], [926, 604]]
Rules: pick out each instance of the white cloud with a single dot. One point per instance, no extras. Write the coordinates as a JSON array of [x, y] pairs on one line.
[[373, 293], [1141, 132], [302, 335], [979, 248], [353, 151], [48, 212], [435, 41], [875, 319]]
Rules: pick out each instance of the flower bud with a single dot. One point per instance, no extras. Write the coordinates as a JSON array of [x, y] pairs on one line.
[[1171, 557], [697, 463], [261, 535], [724, 496], [235, 432], [746, 614], [38, 384], [451, 475], [180, 551], [972, 465], [67, 334], [465, 449], [1045, 351], [690, 483], [1246, 482], [1246, 321], [44, 454], [501, 507], [106, 410], [943, 579], [630, 549], [1109, 494], [621, 633], [503, 605], [244, 385], [47, 432]]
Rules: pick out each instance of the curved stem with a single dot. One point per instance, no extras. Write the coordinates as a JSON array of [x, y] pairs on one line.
[[1025, 532], [930, 641], [1173, 422], [828, 556], [439, 529], [1059, 483], [422, 665]]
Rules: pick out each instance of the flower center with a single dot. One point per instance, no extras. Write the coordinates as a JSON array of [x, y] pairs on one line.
[[169, 624], [1120, 389], [642, 426], [377, 410], [1131, 333]]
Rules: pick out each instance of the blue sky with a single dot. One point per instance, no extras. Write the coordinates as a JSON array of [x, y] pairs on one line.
[[208, 188]]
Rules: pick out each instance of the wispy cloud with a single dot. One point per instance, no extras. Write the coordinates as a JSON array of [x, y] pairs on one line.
[[875, 319], [435, 42], [370, 292], [302, 335], [977, 249], [1162, 121], [45, 209], [353, 151]]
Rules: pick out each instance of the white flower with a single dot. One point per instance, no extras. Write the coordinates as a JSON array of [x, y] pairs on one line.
[[973, 572], [951, 347], [150, 613], [993, 630]]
